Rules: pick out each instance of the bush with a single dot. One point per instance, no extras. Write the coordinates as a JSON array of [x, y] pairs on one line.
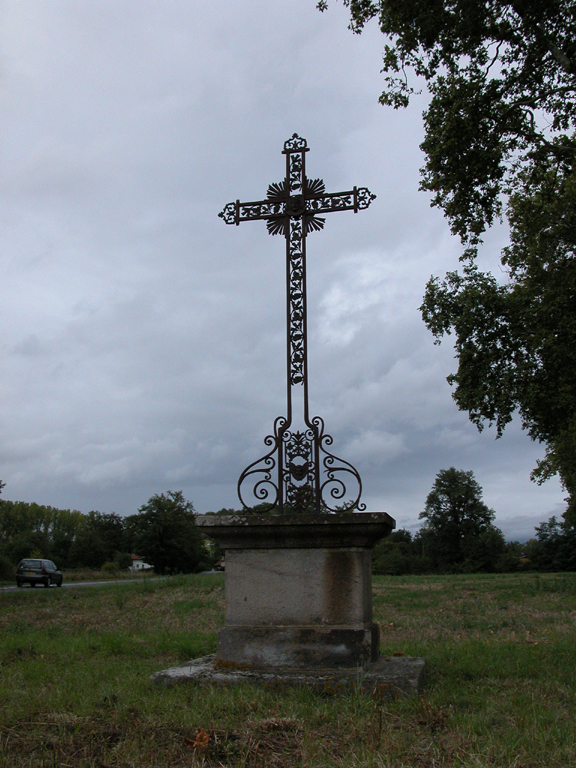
[[123, 560], [7, 569], [399, 554]]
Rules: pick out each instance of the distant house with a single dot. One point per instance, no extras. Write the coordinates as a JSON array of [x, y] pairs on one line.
[[138, 564]]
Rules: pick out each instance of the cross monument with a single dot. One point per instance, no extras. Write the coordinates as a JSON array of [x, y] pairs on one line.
[[298, 585]]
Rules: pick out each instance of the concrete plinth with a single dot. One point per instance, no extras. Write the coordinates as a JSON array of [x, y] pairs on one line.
[[298, 586], [298, 589]]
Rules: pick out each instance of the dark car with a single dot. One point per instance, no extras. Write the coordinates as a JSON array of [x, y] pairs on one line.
[[32, 571]]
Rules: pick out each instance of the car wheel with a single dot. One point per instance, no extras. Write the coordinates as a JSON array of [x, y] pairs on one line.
[[59, 583]]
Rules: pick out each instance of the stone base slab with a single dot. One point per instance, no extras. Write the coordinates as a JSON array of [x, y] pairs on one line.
[[389, 677], [284, 646]]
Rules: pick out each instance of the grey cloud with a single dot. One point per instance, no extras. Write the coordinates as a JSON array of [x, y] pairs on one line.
[[143, 341]]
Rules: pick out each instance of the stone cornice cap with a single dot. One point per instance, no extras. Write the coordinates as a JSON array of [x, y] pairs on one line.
[[359, 529]]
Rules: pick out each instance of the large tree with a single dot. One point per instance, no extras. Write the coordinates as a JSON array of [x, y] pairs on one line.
[[99, 538], [459, 533], [165, 534], [499, 141]]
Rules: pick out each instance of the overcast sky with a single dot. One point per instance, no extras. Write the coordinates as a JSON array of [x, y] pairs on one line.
[[142, 344]]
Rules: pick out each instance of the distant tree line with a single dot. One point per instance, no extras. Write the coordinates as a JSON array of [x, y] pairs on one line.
[[163, 533], [459, 536]]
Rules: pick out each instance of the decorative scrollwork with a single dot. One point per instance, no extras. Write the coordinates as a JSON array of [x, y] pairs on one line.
[[265, 489], [295, 144], [363, 198], [228, 213], [260, 210], [295, 168], [300, 475], [303, 485], [296, 338], [343, 201], [338, 473], [298, 457]]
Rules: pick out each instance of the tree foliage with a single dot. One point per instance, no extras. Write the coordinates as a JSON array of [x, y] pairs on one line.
[[501, 76], [165, 534], [30, 527], [516, 342], [398, 554], [499, 140], [66, 536], [554, 548], [459, 531], [100, 538]]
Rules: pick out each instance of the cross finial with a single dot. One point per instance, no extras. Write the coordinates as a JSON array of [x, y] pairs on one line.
[[295, 144]]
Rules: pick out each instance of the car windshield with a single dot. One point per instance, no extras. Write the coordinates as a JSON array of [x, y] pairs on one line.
[[31, 564]]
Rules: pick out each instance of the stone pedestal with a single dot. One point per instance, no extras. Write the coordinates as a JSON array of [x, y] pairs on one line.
[[298, 588], [299, 606]]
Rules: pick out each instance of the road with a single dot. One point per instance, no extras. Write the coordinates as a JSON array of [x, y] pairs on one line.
[[73, 584]]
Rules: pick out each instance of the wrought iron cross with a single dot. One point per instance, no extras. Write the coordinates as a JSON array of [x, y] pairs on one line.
[[309, 478]]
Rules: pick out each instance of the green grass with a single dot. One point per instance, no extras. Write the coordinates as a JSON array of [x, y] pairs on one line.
[[501, 690]]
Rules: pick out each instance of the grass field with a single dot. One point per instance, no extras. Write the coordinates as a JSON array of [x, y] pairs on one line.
[[501, 690]]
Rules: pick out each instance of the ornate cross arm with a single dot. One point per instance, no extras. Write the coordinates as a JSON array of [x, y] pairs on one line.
[[282, 204], [234, 213], [355, 200]]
